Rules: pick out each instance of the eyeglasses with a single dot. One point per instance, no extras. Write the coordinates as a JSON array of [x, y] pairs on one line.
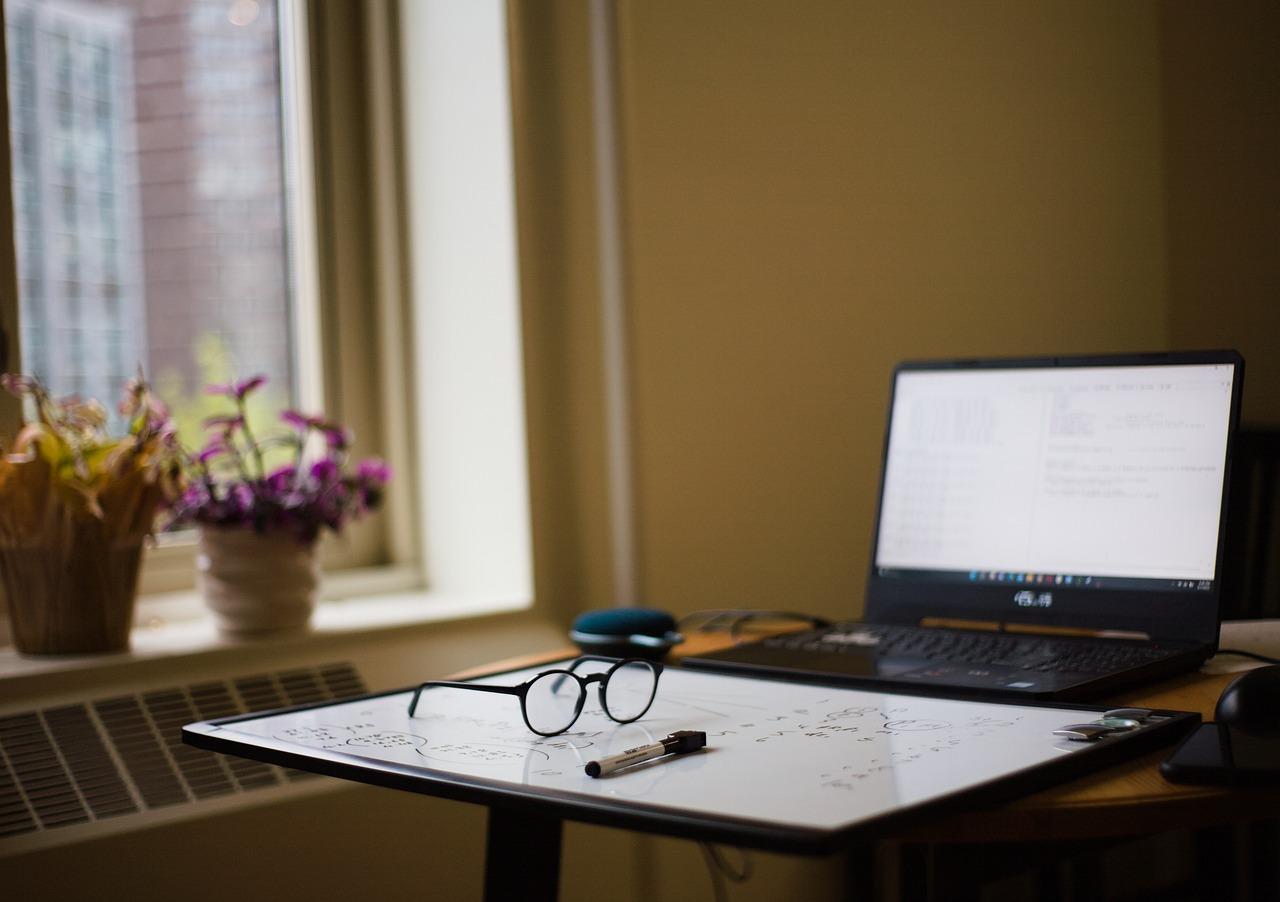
[[552, 701]]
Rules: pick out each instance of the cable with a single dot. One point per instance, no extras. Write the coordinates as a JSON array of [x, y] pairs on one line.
[[1248, 654], [719, 892], [731, 620], [720, 870]]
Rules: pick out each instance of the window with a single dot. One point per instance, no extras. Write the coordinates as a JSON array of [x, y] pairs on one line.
[[153, 197], [200, 234], [157, 151]]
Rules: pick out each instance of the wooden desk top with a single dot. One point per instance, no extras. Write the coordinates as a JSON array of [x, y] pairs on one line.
[[1122, 800], [1132, 798], [1125, 799]]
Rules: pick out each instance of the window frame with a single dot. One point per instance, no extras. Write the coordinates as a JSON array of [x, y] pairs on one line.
[[10, 353], [392, 567]]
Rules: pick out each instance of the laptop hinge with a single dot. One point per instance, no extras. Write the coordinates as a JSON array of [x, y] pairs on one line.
[[1002, 626]]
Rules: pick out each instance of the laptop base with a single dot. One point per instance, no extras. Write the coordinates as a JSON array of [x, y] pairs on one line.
[[864, 665]]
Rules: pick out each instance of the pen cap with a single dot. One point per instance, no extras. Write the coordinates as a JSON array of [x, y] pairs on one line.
[[626, 633]]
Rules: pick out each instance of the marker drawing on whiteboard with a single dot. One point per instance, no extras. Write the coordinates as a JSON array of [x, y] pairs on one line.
[[676, 744]]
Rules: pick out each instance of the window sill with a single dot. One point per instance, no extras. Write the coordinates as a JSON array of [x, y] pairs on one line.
[[176, 626]]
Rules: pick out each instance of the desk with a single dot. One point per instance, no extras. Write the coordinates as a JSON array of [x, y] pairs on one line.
[[524, 832], [1132, 798], [1125, 800]]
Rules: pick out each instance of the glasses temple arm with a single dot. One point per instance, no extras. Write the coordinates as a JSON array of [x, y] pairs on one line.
[[449, 684]]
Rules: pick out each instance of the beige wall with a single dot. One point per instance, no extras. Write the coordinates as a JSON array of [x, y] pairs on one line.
[[1222, 156], [818, 190], [550, 80]]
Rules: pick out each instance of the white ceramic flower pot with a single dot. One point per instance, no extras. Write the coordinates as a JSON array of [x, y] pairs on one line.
[[257, 584]]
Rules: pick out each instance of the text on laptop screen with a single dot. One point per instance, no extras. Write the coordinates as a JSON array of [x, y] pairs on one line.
[[1097, 477]]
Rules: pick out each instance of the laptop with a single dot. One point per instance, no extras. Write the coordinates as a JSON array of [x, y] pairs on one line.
[[1046, 528]]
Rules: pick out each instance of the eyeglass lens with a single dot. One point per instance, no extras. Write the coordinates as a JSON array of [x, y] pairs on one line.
[[630, 690], [553, 702]]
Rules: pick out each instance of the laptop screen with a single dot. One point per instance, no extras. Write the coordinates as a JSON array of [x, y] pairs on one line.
[[1083, 477]]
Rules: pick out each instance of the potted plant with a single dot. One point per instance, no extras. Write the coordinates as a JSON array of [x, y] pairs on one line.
[[262, 503], [75, 507]]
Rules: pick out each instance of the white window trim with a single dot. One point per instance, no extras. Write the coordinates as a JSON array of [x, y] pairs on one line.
[[298, 145], [471, 436]]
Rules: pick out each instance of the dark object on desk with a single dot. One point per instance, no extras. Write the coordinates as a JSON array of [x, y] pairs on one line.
[[1250, 581], [1226, 755], [1243, 747], [1252, 703], [626, 633], [1035, 448]]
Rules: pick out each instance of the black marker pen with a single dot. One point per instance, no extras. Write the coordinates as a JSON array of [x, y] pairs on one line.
[[676, 744]]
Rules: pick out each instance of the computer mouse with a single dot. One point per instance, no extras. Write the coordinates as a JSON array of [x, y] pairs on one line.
[[1252, 701]]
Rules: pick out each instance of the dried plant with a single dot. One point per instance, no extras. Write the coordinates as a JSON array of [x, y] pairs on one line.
[[75, 506], [64, 465]]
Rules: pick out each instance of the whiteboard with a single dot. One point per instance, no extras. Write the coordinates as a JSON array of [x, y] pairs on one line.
[[782, 754]]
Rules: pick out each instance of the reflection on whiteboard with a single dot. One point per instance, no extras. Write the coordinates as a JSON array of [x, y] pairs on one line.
[[782, 753]]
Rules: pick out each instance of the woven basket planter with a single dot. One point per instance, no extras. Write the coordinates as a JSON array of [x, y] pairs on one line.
[[72, 596]]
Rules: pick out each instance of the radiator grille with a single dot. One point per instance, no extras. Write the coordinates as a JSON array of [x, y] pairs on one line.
[[124, 755]]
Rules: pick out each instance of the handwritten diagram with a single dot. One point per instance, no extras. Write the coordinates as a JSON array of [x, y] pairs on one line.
[[831, 755]]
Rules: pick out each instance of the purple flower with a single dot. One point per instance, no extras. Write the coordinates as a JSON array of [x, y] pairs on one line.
[[373, 470], [236, 390], [313, 492], [298, 421], [324, 470], [195, 497], [215, 447], [228, 423], [333, 506], [336, 436], [240, 499], [371, 475], [282, 480], [302, 421]]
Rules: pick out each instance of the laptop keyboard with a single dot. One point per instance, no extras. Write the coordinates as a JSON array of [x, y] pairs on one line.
[[1022, 652]]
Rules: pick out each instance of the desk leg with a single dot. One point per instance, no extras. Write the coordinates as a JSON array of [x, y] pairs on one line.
[[522, 857], [1216, 871], [1264, 874], [860, 874]]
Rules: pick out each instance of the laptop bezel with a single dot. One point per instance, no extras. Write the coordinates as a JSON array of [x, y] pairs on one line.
[[1172, 616]]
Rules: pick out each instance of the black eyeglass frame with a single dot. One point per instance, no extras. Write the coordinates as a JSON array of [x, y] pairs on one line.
[[522, 690]]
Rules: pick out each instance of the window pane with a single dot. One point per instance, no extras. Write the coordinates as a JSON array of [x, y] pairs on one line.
[[149, 197]]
